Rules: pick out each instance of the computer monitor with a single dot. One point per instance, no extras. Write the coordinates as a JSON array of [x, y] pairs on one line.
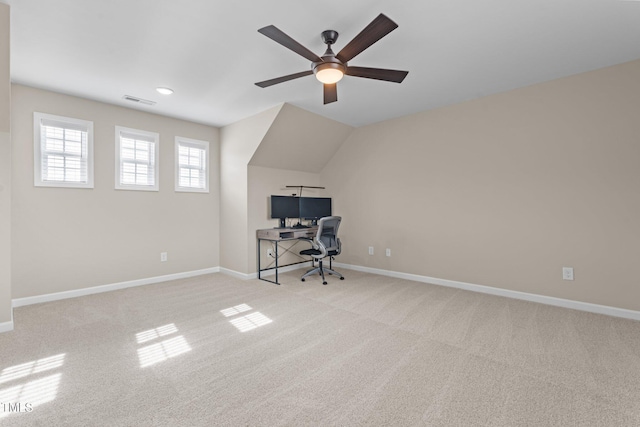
[[314, 208], [283, 207]]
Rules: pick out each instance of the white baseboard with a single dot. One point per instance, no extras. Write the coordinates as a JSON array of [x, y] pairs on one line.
[[245, 276], [558, 302], [19, 302], [6, 326], [237, 274]]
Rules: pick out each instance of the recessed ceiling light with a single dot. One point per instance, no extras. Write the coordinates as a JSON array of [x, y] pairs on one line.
[[164, 90]]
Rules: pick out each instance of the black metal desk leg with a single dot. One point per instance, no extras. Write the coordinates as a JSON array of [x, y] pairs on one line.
[[277, 283], [259, 263]]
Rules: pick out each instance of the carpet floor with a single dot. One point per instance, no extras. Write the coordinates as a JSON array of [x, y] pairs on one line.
[[369, 350]]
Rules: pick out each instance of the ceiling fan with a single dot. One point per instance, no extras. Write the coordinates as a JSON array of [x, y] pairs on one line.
[[330, 68]]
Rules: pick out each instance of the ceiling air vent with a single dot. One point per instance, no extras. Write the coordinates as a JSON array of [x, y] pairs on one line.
[[138, 100]]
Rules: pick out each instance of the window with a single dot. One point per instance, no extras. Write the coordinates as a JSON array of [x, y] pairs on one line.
[[63, 151], [136, 159], [192, 165]]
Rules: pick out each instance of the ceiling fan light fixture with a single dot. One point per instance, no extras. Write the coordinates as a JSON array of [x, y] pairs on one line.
[[329, 72]]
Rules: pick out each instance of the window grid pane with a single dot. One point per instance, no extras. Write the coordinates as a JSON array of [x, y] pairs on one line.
[[192, 167], [64, 154], [137, 162]]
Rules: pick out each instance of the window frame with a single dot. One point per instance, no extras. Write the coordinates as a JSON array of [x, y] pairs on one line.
[[156, 159], [38, 180], [204, 145]]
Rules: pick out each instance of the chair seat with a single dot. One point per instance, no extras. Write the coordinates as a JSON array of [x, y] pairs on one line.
[[316, 252], [310, 252]]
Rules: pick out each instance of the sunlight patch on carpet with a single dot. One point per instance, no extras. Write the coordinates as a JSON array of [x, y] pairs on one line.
[[250, 321], [31, 392], [232, 311], [162, 350], [154, 333]]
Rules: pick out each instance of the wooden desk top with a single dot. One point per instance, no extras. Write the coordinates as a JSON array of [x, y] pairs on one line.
[[287, 233]]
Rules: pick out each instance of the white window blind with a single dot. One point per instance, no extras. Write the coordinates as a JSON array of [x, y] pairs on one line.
[[192, 165], [137, 159], [62, 151]]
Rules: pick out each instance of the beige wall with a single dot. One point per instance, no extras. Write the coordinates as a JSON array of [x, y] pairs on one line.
[[66, 239], [5, 78], [5, 169], [262, 183], [239, 142], [505, 190]]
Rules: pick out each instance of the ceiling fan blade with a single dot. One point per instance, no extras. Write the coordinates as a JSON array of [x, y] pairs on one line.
[[283, 79], [330, 93], [395, 76], [377, 29], [279, 37]]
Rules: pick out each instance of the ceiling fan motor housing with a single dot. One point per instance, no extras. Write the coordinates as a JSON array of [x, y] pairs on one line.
[[329, 59]]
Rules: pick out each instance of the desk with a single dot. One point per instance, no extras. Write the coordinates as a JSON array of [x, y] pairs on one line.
[[277, 235]]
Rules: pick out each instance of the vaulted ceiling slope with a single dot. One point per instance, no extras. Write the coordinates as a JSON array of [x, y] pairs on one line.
[[300, 140], [210, 53]]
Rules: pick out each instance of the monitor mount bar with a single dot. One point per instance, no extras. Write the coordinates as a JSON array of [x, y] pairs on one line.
[[303, 186]]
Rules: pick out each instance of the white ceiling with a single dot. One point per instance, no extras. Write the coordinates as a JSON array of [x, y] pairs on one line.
[[210, 52]]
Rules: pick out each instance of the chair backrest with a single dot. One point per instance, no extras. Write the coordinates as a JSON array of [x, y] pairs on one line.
[[327, 234]]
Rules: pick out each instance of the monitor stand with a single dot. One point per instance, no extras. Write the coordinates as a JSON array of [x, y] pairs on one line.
[[314, 222], [282, 223]]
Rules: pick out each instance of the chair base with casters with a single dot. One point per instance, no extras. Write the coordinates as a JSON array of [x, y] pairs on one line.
[[325, 244], [319, 269]]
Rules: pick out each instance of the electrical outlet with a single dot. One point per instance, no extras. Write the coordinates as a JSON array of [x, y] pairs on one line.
[[370, 250], [567, 273], [163, 257], [388, 252]]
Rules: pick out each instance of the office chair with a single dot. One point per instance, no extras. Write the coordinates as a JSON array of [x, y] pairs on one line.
[[325, 244]]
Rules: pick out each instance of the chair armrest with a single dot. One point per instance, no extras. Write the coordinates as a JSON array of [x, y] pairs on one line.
[[318, 245], [314, 245]]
